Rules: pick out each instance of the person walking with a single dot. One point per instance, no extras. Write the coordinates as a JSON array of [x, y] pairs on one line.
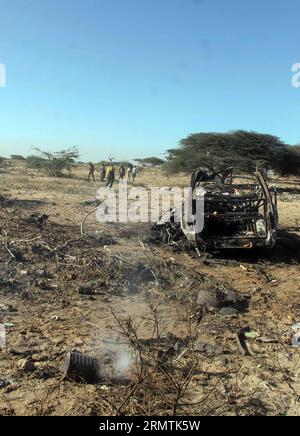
[[110, 175], [129, 172], [133, 173], [122, 172], [102, 172], [91, 172]]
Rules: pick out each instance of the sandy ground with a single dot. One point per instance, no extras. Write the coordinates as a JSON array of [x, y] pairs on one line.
[[47, 317]]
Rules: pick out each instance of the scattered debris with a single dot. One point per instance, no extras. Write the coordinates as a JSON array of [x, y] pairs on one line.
[[229, 311], [296, 341], [90, 289], [208, 298], [94, 203], [26, 365], [21, 351], [38, 219], [267, 340], [227, 299], [104, 388], [7, 308], [243, 346], [292, 336], [55, 318], [270, 386], [209, 349], [43, 284], [296, 335], [296, 328], [82, 265], [252, 335], [4, 383]]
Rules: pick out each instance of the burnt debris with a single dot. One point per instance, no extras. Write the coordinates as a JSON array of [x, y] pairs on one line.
[[240, 212]]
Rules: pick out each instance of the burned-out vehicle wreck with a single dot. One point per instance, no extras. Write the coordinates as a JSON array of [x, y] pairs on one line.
[[239, 212]]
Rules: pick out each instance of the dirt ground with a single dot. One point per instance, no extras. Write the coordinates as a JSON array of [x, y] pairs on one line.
[[142, 308]]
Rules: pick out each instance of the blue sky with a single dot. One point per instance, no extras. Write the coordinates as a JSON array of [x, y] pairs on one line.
[[132, 77]]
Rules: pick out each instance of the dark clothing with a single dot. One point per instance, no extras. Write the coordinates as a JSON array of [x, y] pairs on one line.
[[92, 173], [111, 179], [102, 173], [122, 173]]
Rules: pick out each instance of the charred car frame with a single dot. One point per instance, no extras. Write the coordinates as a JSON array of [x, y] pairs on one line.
[[239, 212]]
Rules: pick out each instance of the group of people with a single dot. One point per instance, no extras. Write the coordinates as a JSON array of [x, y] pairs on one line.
[[108, 173]]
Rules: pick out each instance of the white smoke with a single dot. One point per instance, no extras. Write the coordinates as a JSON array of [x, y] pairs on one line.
[[116, 358]]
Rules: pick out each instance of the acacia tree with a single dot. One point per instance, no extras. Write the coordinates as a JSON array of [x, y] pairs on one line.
[[154, 161], [17, 157], [56, 162], [241, 149]]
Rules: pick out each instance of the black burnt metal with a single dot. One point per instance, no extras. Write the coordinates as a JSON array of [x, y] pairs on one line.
[[231, 211], [81, 368]]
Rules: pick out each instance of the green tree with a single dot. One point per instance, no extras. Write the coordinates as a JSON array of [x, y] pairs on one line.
[[155, 161], [17, 157], [241, 149], [36, 162], [54, 163]]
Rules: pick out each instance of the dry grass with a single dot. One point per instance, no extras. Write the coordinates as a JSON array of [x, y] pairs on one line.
[[145, 295]]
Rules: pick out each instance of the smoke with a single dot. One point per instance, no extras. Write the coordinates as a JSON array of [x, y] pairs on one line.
[[116, 358], [123, 363]]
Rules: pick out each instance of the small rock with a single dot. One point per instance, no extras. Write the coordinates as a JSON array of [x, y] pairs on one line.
[[26, 365], [296, 341], [209, 349], [4, 383], [208, 298], [228, 311]]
